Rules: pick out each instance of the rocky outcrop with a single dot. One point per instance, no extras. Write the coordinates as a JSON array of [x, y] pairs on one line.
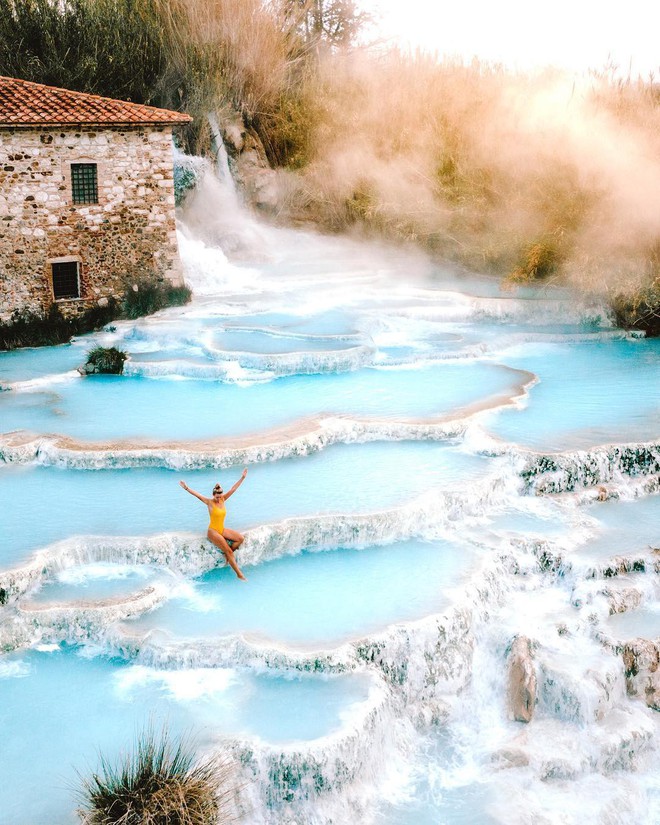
[[571, 471], [641, 658], [104, 361], [250, 166], [522, 680]]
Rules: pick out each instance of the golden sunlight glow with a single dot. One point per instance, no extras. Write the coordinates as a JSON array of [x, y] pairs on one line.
[[573, 34]]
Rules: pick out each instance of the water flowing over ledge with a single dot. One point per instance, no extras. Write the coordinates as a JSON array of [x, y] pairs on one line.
[[190, 555], [557, 473], [545, 561]]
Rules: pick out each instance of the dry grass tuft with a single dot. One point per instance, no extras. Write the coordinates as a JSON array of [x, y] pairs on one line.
[[158, 784]]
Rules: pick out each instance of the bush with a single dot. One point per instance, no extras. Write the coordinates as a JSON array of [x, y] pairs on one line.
[[159, 784], [105, 361], [537, 261], [186, 178], [144, 297], [640, 311], [31, 329]]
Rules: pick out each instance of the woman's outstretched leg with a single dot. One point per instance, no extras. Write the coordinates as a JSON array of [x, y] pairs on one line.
[[221, 543]]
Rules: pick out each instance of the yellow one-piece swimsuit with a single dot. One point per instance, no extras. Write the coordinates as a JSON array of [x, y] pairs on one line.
[[218, 518]]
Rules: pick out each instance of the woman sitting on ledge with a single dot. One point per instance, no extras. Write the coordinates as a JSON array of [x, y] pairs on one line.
[[217, 533]]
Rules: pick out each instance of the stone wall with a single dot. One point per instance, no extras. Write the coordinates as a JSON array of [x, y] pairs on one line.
[[129, 234]]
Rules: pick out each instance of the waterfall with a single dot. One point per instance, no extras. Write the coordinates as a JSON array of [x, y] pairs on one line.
[[221, 158]]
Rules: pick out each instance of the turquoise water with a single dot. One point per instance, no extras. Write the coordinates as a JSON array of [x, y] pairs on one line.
[[63, 708], [110, 407], [150, 501], [566, 409], [320, 600], [643, 623], [326, 323], [425, 526], [269, 342], [624, 528], [31, 363]]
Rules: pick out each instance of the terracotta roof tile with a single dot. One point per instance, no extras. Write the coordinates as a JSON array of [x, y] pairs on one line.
[[23, 103]]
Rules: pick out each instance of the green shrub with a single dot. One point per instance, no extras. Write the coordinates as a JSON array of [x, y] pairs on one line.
[[144, 297], [158, 784], [186, 178], [32, 329], [105, 361]]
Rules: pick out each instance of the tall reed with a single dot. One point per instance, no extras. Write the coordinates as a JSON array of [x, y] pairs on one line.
[[183, 54], [533, 176]]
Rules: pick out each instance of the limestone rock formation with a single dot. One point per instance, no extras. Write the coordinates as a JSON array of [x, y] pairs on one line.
[[641, 658], [250, 165], [522, 680]]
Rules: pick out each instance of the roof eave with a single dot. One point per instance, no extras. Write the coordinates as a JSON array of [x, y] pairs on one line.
[[98, 124]]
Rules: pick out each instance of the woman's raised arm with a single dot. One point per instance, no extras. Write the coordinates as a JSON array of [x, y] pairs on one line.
[[233, 489], [194, 492]]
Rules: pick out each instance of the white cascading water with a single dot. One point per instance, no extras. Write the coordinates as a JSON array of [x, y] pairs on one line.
[[439, 471]]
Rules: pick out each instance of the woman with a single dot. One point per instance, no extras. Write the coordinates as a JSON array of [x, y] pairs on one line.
[[217, 532]]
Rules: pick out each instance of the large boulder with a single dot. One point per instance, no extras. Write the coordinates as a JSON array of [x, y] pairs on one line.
[[522, 680], [258, 182], [641, 658]]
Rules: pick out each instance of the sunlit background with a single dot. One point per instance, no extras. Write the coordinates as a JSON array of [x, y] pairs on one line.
[[572, 34]]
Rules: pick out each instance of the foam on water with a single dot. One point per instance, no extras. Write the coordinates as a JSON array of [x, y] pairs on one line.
[[88, 502], [96, 582], [368, 682], [440, 788], [320, 599]]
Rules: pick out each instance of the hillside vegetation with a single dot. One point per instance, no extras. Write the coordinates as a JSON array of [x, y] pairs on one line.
[[534, 177]]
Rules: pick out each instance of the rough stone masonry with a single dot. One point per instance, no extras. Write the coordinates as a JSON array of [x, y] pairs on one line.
[[128, 234]]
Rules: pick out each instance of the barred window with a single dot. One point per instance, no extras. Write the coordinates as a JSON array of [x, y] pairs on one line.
[[84, 185], [66, 280]]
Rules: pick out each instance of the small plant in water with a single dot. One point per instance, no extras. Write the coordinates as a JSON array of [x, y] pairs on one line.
[[160, 783], [105, 361]]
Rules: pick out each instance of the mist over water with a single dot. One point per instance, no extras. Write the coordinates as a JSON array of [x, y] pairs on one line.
[[436, 467], [534, 175]]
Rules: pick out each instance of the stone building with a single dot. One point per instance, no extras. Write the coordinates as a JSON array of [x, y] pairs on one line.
[[86, 197]]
